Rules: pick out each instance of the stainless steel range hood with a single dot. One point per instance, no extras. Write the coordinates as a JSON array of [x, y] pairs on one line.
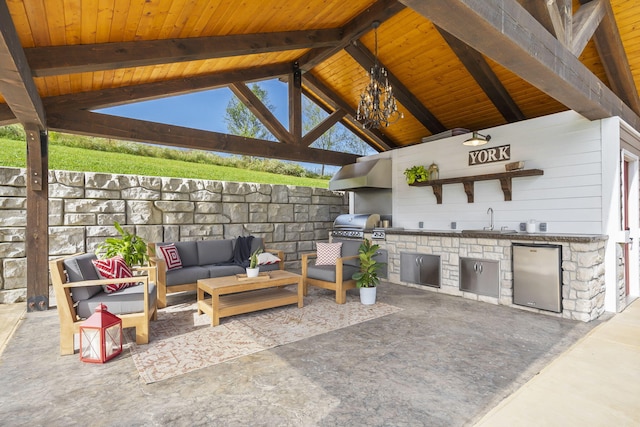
[[362, 175]]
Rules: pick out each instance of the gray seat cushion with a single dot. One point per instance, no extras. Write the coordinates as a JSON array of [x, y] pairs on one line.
[[224, 270], [327, 273], [214, 251], [128, 300], [81, 268], [182, 276]]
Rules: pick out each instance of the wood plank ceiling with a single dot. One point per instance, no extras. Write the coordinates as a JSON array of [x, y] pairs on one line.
[[469, 64]]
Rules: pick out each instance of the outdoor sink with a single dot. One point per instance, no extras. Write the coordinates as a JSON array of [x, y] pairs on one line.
[[483, 231]]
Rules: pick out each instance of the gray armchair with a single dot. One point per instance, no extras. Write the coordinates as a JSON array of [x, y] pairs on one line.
[[333, 277]]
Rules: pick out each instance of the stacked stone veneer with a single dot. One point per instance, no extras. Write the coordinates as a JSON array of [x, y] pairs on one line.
[[583, 286], [83, 207]]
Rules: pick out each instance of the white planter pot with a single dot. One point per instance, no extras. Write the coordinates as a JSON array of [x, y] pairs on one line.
[[368, 296], [253, 272]]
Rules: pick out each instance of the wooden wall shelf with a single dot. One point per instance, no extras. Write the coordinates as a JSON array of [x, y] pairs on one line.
[[468, 181]]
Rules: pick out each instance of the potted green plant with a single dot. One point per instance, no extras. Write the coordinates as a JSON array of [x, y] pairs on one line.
[[367, 278], [416, 174], [131, 247], [253, 270]]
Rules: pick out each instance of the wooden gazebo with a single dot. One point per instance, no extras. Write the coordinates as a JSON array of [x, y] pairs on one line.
[[469, 64]]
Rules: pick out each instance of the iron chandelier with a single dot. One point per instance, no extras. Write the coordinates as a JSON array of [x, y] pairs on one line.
[[377, 105]]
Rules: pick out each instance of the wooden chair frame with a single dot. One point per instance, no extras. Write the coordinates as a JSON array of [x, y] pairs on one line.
[[69, 319], [340, 286]]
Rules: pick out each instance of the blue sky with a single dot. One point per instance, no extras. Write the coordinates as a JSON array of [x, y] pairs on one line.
[[200, 110]]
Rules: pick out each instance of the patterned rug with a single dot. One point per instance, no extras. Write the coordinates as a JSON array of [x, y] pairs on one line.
[[183, 341]]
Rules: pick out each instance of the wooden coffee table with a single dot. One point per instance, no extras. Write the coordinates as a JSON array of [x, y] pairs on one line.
[[231, 295]]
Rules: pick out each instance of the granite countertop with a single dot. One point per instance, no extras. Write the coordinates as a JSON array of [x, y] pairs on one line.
[[507, 235]]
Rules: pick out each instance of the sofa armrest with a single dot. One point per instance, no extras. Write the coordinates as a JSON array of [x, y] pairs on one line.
[[100, 282], [151, 272], [347, 258], [160, 266], [307, 255], [279, 253]]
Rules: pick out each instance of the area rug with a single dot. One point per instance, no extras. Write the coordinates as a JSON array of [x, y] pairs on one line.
[[182, 341]]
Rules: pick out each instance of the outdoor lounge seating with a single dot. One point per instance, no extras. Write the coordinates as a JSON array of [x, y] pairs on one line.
[[79, 290], [336, 276], [202, 259]]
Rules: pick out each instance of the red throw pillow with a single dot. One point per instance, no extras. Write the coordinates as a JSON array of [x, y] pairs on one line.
[[328, 253], [171, 256], [114, 268]]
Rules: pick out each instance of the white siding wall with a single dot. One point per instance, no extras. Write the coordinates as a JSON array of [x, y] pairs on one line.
[[568, 197]]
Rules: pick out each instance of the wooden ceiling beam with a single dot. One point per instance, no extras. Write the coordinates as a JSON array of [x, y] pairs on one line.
[[102, 125], [584, 23], [353, 30], [315, 133], [366, 59], [144, 92], [482, 73], [539, 10], [372, 136], [503, 31], [257, 107], [614, 58], [347, 121], [16, 83], [56, 60], [6, 115], [560, 13]]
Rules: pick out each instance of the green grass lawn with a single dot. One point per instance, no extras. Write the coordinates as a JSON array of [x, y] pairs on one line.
[[13, 154]]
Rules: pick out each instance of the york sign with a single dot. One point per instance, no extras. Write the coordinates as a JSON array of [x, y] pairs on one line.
[[490, 155]]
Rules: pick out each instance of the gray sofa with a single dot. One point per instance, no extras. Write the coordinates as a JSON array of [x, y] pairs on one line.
[[201, 259]]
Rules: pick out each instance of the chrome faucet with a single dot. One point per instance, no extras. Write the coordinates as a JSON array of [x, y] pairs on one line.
[[490, 212]]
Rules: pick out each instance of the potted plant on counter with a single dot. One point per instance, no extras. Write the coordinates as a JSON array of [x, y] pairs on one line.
[[253, 270], [367, 278]]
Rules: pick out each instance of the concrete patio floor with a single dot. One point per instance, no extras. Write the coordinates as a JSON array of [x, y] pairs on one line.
[[441, 361]]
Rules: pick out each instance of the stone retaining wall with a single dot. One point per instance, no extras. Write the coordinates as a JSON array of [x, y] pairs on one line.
[[83, 207]]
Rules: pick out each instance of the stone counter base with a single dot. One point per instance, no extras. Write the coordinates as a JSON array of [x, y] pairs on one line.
[[583, 286]]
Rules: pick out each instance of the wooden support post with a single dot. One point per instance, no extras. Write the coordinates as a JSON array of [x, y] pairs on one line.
[[37, 235], [295, 104]]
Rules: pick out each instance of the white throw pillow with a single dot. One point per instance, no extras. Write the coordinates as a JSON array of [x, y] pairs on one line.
[[328, 253], [266, 258]]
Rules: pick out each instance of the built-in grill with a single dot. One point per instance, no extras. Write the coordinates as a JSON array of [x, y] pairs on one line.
[[354, 225]]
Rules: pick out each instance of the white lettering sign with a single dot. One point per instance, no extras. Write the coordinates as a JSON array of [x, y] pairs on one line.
[[490, 155]]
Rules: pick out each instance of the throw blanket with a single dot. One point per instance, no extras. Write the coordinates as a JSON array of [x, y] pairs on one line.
[[242, 251]]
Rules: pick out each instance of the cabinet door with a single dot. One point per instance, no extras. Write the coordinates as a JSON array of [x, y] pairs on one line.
[[421, 269], [480, 277]]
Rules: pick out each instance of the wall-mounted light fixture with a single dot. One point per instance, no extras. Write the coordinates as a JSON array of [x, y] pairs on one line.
[[477, 139]]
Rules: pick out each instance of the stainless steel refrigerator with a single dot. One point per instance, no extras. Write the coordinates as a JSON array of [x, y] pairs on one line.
[[537, 276]]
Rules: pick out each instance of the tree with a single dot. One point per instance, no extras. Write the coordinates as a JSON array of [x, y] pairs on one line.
[[337, 138], [241, 121]]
